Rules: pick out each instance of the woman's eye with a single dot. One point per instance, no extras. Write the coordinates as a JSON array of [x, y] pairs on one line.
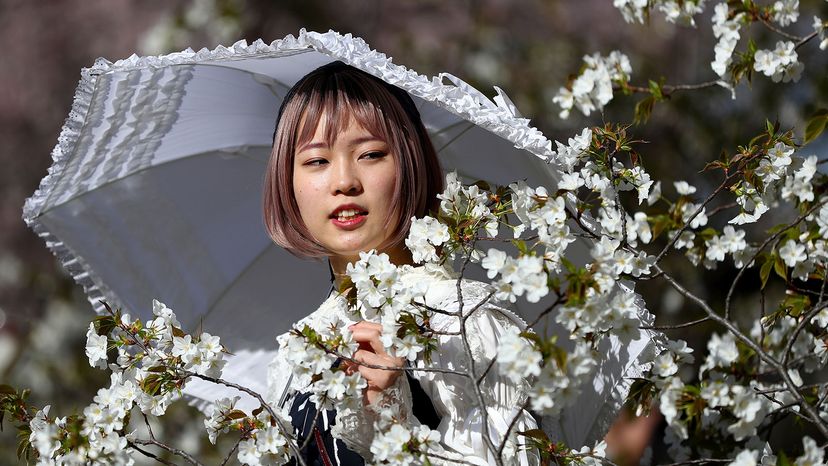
[[374, 155], [316, 162]]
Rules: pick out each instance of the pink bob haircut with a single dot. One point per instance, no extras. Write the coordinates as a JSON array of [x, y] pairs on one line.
[[343, 92]]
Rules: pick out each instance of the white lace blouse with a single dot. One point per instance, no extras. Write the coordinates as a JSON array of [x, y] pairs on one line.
[[461, 427]]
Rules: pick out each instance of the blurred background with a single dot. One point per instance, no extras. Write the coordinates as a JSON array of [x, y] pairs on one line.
[[527, 47]]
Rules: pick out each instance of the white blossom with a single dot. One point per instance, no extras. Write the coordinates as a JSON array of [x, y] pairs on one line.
[[727, 32], [517, 358], [716, 393], [248, 453], [388, 446], [681, 12], [424, 235], [665, 365], [820, 28], [780, 64], [722, 351], [745, 458], [592, 89], [632, 10], [813, 454], [96, 347], [749, 408], [684, 188], [786, 12], [791, 253]]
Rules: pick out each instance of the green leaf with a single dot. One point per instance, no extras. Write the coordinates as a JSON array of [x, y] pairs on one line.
[[655, 90], [236, 414], [816, 125], [765, 271], [535, 434], [643, 109], [521, 246], [782, 459], [483, 185], [779, 267]]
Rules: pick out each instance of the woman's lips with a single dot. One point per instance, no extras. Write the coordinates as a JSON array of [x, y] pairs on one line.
[[350, 223]]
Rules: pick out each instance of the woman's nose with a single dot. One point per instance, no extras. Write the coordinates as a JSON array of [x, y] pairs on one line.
[[347, 180]]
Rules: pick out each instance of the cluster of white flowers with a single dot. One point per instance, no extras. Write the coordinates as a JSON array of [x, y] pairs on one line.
[[798, 185], [105, 448], [266, 447], [379, 290], [468, 202], [517, 358], [314, 367], [780, 64], [592, 89], [727, 32], [680, 12], [401, 446], [217, 416], [557, 387], [786, 12], [677, 352], [820, 27], [546, 216], [731, 241], [424, 235], [525, 274], [136, 379]]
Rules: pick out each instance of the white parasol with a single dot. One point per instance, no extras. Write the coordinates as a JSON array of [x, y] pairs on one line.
[[155, 189]]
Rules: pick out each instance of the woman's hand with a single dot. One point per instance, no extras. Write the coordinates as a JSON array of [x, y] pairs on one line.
[[371, 351]]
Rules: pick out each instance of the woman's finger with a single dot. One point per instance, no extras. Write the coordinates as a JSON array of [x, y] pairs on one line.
[[366, 324], [378, 378], [371, 337]]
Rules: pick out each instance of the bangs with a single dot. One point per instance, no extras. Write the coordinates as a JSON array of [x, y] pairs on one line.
[[343, 99]]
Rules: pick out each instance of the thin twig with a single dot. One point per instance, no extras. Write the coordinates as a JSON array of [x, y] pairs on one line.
[[676, 326], [175, 451], [559, 300], [775, 29], [148, 454], [310, 435], [512, 425], [230, 453], [720, 208], [700, 461], [668, 89], [806, 39]]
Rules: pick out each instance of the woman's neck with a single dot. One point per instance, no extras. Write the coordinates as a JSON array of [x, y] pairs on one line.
[[398, 256]]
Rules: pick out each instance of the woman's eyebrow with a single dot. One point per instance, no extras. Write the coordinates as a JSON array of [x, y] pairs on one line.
[[354, 142]]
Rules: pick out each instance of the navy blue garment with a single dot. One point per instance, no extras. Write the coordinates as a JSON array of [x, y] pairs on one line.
[[334, 451], [302, 412]]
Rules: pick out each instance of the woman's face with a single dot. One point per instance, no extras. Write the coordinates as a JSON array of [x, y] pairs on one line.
[[344, 190]]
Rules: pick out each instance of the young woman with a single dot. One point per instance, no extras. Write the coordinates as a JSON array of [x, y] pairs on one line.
[[351, 164]]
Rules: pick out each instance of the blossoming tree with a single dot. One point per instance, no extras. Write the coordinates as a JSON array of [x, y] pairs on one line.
[[754, 374]]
